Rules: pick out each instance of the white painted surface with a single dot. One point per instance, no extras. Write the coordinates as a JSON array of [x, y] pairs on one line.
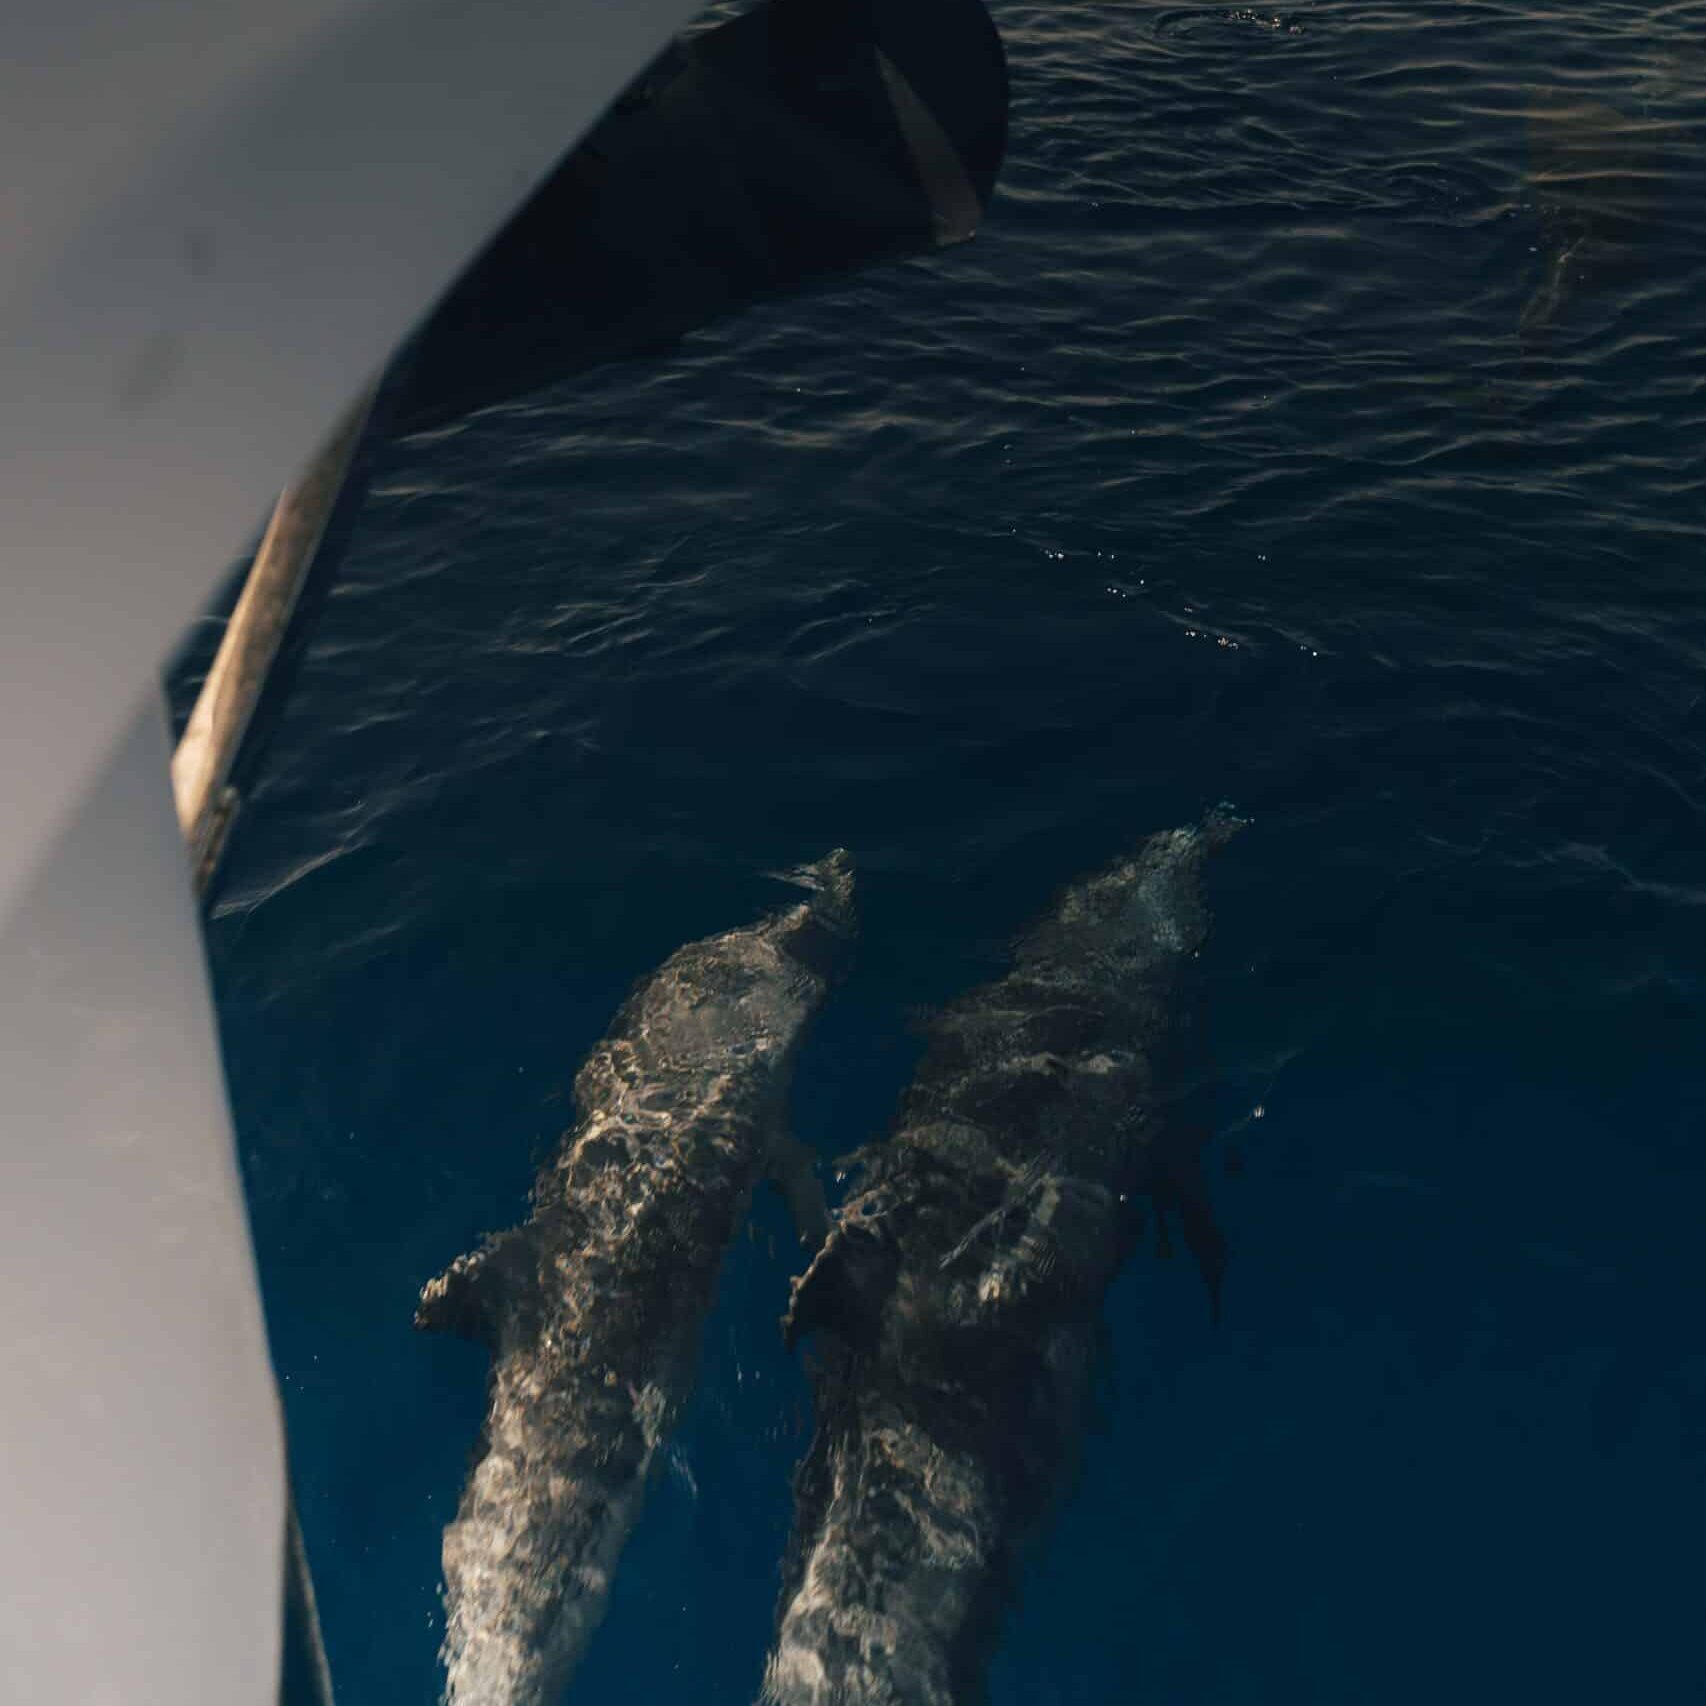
[[141, 1500], [217, 220]]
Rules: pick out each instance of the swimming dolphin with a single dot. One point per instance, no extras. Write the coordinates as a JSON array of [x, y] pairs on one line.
[[593, 1307], [1606, 187], [955, 1303]]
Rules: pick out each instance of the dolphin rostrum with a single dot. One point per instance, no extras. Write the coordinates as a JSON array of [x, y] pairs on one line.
[[955, 1303], [593, 1307]]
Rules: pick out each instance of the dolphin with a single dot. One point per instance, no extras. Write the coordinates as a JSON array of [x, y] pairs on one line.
[[594, 1306], [1606, 186], [955, 1304]]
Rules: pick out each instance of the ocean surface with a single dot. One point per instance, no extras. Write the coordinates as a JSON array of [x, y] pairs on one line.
[[1318, 424]]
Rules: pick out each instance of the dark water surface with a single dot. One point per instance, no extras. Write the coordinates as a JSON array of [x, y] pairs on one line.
[[1317, 425]]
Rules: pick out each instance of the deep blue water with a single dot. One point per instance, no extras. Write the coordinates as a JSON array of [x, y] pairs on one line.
[[1317, 424]]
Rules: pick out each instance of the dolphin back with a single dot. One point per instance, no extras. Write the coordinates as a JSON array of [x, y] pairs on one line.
[[955, 1305], [592, 1309]]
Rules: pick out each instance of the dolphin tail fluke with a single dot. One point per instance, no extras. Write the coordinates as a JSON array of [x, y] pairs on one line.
[[470, 1297]]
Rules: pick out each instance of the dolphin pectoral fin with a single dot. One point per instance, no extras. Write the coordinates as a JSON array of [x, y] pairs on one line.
[[1208, 1247], [1180, 1186], [793, 1171], [469, 1297], [842, 1291]]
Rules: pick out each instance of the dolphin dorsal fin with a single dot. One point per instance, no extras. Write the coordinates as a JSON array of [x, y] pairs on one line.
[[472, 1295]]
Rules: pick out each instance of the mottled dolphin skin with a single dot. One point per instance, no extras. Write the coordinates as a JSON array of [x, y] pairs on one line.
[[955, 1304], [594, 1306]]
